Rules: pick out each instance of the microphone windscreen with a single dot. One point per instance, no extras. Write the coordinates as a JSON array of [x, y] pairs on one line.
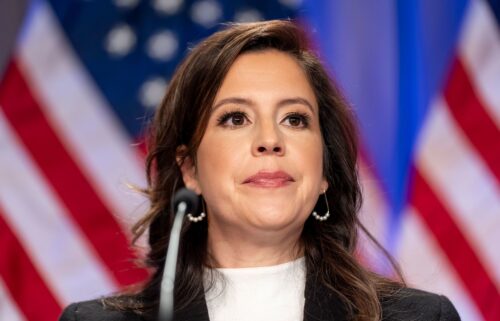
[[189, 197]]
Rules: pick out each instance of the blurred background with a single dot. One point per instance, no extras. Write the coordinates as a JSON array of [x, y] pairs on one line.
[[79, 80]]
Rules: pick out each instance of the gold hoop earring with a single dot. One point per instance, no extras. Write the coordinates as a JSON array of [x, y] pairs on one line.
[[325, 216], [199, 218]]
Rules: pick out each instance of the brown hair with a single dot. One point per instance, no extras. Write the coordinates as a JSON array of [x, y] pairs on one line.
[[181, 119]]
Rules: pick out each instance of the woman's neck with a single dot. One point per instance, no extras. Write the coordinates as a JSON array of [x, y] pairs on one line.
[[237, 249]]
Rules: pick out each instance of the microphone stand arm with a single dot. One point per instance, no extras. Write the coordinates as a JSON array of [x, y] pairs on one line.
[[166, 312]]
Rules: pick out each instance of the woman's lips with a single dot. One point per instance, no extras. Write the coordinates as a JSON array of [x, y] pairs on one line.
[[269, 179]]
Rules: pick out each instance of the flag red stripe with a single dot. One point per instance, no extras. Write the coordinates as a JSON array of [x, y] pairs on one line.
[[75, 192], [22, 280], [475, 278], [472, 117]]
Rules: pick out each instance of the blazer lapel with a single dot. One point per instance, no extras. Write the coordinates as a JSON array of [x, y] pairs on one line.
[[320, 303], [196, 311]]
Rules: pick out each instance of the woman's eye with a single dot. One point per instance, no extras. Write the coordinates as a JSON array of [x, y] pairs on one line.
[[232, 119], [297, 120], [237, 119]]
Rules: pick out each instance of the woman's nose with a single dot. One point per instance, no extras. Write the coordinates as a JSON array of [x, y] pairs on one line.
[[268, 141]]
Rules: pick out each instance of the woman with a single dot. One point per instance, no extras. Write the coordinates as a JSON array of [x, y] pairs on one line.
[[252, 123]]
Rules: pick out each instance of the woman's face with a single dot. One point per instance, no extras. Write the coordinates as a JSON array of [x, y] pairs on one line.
[[259, 163]]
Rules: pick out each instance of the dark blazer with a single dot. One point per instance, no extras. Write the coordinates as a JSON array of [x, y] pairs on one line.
[[320, 305]]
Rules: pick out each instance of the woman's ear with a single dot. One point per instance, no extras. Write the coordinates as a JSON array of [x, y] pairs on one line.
[[188, 169], [324, 185]]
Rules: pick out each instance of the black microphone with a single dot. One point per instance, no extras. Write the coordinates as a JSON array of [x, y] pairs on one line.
[[188, 197], [184, 201]]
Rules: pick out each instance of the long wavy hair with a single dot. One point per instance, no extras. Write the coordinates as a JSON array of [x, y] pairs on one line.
[[181, 119]]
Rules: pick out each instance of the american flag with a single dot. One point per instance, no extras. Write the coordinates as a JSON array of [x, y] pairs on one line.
[[79, 80]]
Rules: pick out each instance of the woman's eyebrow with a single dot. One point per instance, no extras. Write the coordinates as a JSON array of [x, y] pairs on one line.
[[233, 100], [296, 101], [249, 102]]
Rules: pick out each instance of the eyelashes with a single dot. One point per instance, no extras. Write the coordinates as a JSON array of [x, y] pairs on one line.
[[232, 118], [238, 118], [299, 120]]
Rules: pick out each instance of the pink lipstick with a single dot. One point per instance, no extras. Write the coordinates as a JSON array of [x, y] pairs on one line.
[[269, 179]]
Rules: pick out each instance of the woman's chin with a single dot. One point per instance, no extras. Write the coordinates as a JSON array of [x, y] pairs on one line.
[[274, 219]]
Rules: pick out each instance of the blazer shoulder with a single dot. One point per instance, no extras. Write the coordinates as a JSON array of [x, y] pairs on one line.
[[413, 304], [95, 310]]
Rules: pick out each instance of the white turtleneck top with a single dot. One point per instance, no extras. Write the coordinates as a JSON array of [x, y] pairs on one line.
[[255, 294]]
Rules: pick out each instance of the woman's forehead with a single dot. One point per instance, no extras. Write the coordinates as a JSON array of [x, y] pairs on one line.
[[267, 74]]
